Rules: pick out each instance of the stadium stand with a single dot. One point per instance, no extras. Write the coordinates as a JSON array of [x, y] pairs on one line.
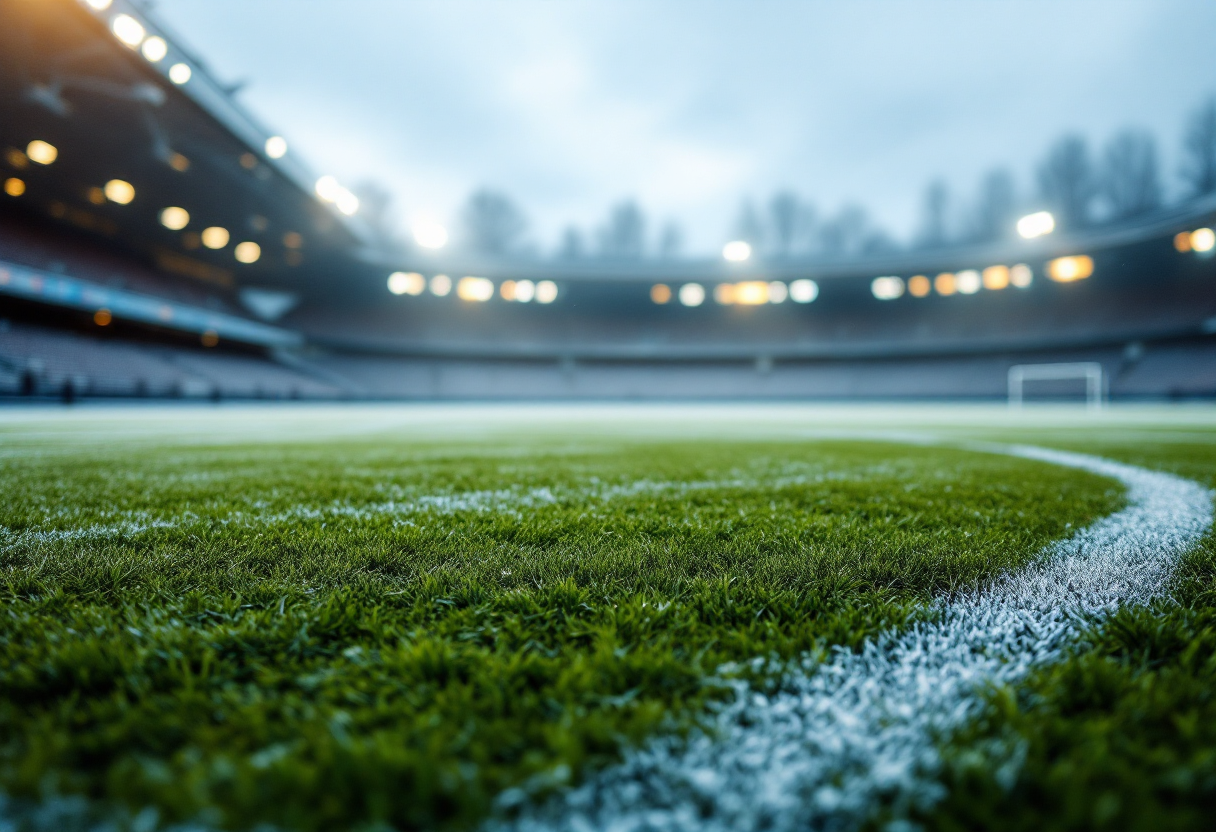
[[105, 296], [37, 360]]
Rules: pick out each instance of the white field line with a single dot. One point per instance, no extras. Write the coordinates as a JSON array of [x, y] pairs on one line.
[[403, 507], [860, 730]]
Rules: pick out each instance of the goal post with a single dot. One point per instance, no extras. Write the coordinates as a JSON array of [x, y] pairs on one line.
[[1090, 371]]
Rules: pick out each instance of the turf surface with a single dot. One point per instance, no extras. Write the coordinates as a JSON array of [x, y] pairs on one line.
[[321, 630]]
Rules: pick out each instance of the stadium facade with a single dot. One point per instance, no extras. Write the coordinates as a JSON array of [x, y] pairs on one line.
[[156, 240]]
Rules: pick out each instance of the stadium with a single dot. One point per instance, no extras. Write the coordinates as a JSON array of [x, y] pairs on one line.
[[309, 530]]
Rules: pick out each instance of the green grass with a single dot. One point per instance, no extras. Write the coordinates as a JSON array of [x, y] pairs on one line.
[[1121, 735], [331, 635]]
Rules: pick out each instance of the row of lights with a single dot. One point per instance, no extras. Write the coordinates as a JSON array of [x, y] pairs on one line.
[[155, 49], [121, 192], [476, 289], [744, 293], [1201, 240], [966, 282]]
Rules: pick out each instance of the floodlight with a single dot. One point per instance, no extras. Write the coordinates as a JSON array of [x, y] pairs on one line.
[[128, 30], [174, 218], [41, 152], [276, 147], [119, 191], [1036, 225], [430, 234], [155, 49], [737, 251]]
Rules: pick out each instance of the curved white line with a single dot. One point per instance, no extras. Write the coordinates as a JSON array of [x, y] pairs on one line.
[[859, 730]]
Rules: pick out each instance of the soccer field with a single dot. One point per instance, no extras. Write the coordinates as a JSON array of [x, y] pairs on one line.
[[557, 617]]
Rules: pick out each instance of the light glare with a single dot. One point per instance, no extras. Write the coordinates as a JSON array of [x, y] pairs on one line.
[[155, 49], [119, 191], [804, 291], [127, 29], [525, 291], [430, 234], [44, 153], [180, 73], [276, 147], [99, 5], [777, 292], [174, 218], [546, 291], [887, 288], [247, 252], [441, 285], [1203, 239], [944, 283], [996, 277], [1021, 275], [14, 186], [215, 237], [967, 282], [737, 251], [406, 283], [1069, 269], [919, 286], [328, 188], [692, 294], [1036, 225], [477, 289], [660, 293]]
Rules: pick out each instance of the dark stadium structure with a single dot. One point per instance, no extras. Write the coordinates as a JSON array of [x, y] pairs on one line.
[[156, 241]]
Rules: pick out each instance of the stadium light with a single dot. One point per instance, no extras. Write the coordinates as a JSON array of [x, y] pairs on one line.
[[180, 73], [347, 203], [174, 218], [996, 277], [155, 49], [546, 291], [1203, 240], [967, 282], [119, 191], [429, 234], [276, 147], [1036, 224], [751, 293], [328, 189], [1070, 269], [476, 289], [692, 294], [525, 291], [41, 152], [887, 288], [215, 237], [804, 291], [737, 251], [247, 252], [919, 286], [406, 283], [128, 30], [14, 186], [441, 285]]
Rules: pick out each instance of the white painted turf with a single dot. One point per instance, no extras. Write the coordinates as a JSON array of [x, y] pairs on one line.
[[860, 731]]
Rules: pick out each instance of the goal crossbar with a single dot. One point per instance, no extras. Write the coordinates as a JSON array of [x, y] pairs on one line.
[[1090, 371]]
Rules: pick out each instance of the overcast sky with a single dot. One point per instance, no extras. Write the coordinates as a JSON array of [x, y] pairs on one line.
[[691, 106]]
